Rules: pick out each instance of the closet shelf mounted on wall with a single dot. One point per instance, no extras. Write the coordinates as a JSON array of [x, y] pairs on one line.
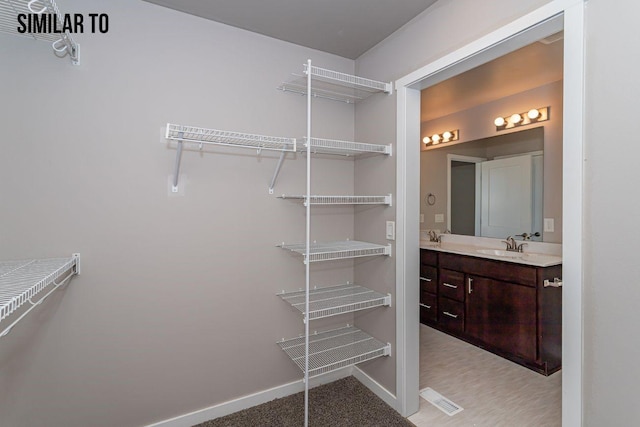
[[341, 200], [334, 300], [334, 349], [334, 85], [200, 136], [328, 251], [22, 281], [343, 148], [61, 42]]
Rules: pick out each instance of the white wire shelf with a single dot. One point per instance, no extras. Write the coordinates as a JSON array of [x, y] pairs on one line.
[[344, 148], [21, 281], [346, 249], [334, 85], [228, 138], [341, 200], [62, 43], [335, 300], [335, 349], [198, 135]]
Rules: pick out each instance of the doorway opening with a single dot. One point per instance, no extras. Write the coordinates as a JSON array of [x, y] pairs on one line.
[[546, 20]]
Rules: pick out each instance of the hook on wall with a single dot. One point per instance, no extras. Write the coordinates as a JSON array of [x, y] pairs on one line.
[[431, 199]]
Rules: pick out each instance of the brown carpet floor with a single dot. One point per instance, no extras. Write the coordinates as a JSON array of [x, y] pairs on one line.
[[342, 403]]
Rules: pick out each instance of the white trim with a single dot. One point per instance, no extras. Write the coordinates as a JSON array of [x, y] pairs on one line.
[[377, 388], [235, 405], [467, 159], [533, 26]]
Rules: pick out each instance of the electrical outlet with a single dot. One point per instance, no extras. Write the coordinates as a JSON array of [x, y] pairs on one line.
[[439, 218], [391, 230], [421, 218]]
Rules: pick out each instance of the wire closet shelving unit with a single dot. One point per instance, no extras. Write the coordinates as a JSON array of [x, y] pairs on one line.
[[322, 352], [62, 43], [22, 281]]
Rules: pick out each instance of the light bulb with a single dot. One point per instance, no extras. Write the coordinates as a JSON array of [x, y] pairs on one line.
[[533, 114], [436, 139], [447, 135], [426, 140], [516, 118], [499, 121]]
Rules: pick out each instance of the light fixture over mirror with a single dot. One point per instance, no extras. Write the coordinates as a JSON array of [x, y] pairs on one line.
[[447, 136], [534, 115]]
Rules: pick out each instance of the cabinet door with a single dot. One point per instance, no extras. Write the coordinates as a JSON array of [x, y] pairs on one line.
[[502, 315]]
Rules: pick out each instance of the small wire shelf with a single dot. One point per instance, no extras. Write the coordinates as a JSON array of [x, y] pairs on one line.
[[329, 251], [335, 349], [335, 300], [334, 85], [228, 138], [341, 200], [21, 281], [62, 43], [344, 148]]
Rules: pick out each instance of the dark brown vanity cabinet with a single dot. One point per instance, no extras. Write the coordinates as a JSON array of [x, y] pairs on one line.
[[428, 287], [501, 306]]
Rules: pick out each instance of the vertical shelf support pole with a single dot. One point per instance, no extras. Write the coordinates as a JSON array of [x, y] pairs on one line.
[[277, 172], [308, 250], [176, 172]]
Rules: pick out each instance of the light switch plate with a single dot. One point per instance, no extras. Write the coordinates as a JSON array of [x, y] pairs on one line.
[[439, 218], [391, 230], [549, 225], [421, 218]]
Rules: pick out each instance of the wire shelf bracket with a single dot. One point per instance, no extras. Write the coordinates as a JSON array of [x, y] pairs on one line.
[[197, 135], [341, 200], [334, 349], [21, 281], [61, 42], [335, 300]]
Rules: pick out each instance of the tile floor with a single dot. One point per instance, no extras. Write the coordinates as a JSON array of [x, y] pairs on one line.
[[494, 392]]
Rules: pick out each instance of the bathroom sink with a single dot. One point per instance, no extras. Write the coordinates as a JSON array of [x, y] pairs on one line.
[[500, 253]]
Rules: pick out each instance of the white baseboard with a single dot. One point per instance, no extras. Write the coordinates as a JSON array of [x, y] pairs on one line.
[[235, 405], [376, 388]]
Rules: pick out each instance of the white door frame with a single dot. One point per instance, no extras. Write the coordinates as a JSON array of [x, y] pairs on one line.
[[567, 14]]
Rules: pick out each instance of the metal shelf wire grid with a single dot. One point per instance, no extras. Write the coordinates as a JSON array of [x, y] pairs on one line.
[[344, 148], [229, 138], [333, 350], [342, 200], [337, 250], [334, 300], [334, 85], [20, 281], [9, 11]]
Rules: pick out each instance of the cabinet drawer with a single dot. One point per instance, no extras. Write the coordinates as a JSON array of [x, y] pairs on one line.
[[428, 308], [428, 257], [451, 284], [451, 315], [428, 278]]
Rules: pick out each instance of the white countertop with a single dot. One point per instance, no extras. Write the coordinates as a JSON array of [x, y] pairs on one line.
[[540, 254]]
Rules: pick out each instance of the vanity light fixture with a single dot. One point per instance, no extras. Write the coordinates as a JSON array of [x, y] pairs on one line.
[[534, 115], [448, 136]]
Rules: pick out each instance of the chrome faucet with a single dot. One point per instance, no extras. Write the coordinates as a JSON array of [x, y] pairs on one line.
[[512, 245]]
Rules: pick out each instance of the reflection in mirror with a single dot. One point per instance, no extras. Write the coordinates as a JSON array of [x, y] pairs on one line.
[[494, 186]]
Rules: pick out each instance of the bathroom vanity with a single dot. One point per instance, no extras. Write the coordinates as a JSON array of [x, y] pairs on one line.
[[507, 303]]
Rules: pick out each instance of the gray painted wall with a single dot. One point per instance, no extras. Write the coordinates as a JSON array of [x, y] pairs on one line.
[[176, 307]]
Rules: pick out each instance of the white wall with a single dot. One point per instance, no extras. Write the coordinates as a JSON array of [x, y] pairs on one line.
[[176, 307], [611, 231]]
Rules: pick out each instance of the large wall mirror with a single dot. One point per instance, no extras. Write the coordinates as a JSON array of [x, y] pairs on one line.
[[493, 181]]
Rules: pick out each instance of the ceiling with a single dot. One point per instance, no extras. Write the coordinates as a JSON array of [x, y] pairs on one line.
[[346, 28], [532, 66]]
